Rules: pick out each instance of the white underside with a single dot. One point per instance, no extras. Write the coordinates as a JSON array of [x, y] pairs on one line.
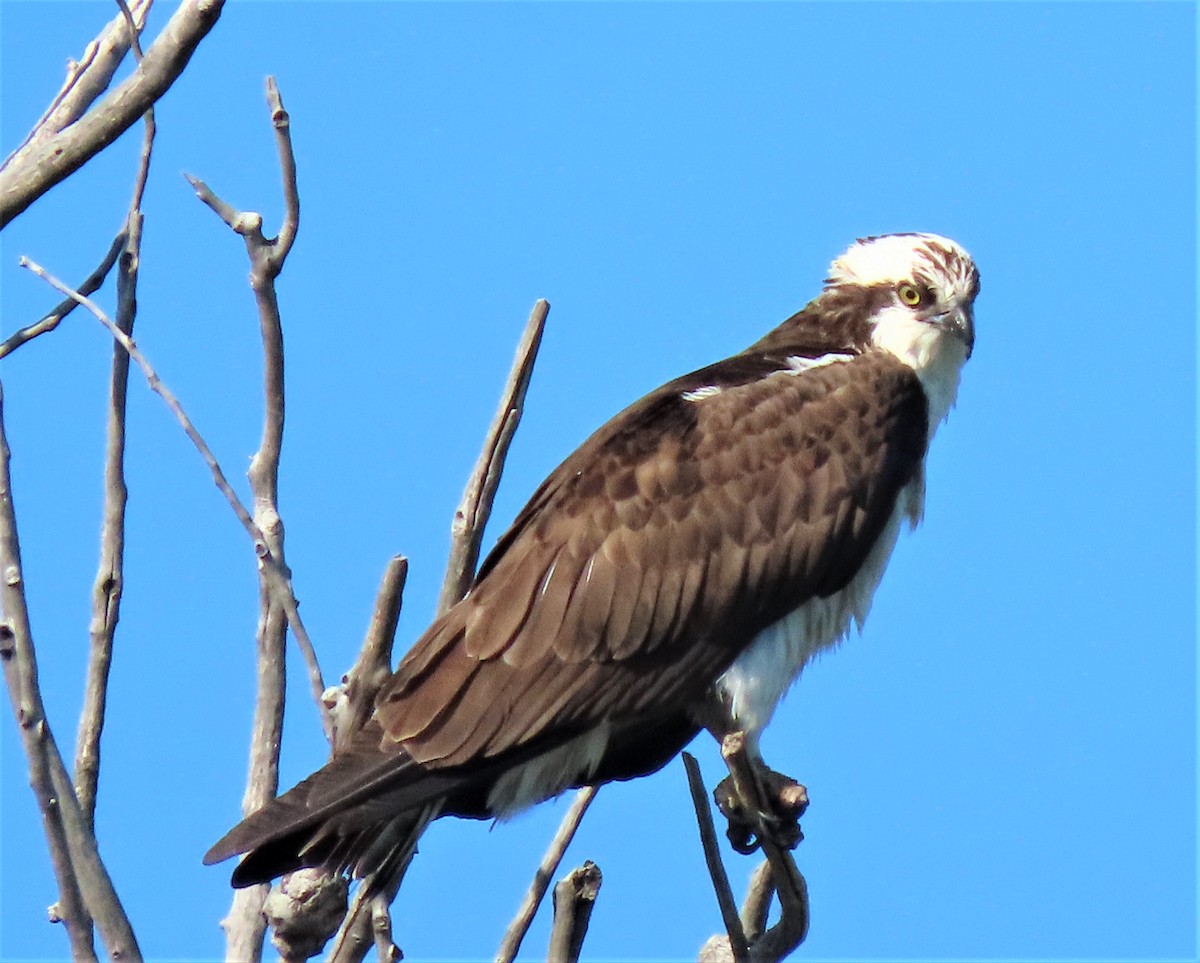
[[752, 687]]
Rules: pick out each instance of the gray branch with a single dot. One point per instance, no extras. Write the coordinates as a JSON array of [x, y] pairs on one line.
[[87, 78], [574, 899], [511, 943], [109, 583], [46, 162], [50, 321], [471, 517], [779, 875], [738, 947], [82, 878], [267, 257]]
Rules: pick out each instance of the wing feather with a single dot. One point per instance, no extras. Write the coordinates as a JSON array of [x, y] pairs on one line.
[[652, 556]]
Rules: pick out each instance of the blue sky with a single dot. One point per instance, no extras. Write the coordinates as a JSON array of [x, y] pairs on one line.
[[1003, 766]]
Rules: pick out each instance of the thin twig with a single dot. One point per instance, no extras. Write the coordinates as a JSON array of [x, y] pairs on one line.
[[46, 163], [89, 287], [471, 516], [157, 386], [511, 943], [574, 899], [109, 583], [712, 858]]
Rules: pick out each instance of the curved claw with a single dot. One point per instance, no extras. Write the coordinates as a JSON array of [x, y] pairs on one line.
[[775, 816]]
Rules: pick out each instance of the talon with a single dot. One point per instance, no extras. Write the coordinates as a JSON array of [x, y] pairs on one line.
[[776, 816]]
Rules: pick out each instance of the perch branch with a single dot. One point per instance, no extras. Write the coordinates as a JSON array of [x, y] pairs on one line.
[[757, 904], [789, 883], [471, 517], [511, 943], [51, 159]]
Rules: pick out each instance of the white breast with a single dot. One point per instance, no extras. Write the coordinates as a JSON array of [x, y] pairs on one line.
[[752, 687]]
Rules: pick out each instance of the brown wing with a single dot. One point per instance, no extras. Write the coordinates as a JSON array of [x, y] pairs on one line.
[[652, 556]]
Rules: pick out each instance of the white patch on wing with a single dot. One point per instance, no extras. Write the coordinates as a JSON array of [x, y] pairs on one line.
[[753, 685], [797, 364], [549, 774], [699, 394]]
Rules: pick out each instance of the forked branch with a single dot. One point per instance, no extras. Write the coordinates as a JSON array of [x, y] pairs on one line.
[[31, 172]]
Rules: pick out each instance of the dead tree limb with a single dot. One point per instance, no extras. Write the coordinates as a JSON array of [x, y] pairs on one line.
[[48, 322], [245, 925], [471, 517], [87, 78], [574, 899], [712, 857], [84, 885], [109, 582], [511, 943], [747, 936], [33, 171]]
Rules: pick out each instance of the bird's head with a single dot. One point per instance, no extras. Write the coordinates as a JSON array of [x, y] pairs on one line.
[[923, 290], [928, 286]]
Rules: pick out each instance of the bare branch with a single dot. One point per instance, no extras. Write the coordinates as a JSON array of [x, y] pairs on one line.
[[109, 583], [712, 858], [352, 702], [51, 321], [82, 879], [472, 514], [244, 926], [266, 261], [162, 391], [28, 177], [757, 904], [511, 944], [87, 78], [381, 926], [20, 672], [574, 898]]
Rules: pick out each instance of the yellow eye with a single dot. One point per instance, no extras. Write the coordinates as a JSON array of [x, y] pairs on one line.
[[909, 295]]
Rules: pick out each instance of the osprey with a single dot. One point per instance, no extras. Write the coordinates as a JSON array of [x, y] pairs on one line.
[[683, 565]]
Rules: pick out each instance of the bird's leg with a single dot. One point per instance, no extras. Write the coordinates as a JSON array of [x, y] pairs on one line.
[[757, 801]]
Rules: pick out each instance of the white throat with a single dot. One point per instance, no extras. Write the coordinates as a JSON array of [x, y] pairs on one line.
[[934, 354]]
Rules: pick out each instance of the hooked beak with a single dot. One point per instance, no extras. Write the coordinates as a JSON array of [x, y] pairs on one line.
[[961, 323]]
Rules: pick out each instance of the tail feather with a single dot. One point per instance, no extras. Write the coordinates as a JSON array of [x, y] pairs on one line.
[[332, 818]]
